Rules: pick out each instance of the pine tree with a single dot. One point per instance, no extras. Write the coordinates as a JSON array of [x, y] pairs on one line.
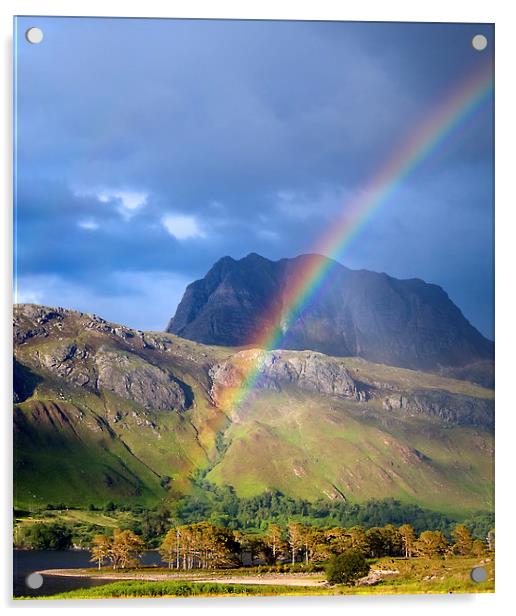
[[169, 548], [100, 550], [337, 540], [274, 539], [358, 539], [408, 538], [463, 545], [126, 549], [431, 543], [295, 534]]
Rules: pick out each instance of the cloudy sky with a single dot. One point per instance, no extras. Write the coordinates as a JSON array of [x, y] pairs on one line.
[[148, 149]]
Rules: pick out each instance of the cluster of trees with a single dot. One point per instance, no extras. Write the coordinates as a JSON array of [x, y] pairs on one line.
[[317, 544], [122, 550], [221, 506], [44, 537], [206, 545], [200, 546]]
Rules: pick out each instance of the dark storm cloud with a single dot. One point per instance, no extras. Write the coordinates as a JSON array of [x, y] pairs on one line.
[[257, 133]]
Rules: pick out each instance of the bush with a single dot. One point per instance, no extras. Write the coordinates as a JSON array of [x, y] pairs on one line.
[[347, 567], [165, 481]]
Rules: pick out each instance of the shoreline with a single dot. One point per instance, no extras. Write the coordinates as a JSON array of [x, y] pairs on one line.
[[276, 579]]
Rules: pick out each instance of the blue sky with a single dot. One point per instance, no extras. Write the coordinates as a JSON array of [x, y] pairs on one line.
[[148, 149]]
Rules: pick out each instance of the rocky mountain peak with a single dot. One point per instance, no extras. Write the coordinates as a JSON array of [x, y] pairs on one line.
[[408, 323]]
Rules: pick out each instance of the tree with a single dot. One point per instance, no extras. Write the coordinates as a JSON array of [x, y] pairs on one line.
[[203, 545], [274, 539], [376, 542], [347, 567], [164, 482], [431, 543], [126, 549], [463, 545], [223, 548], [337, 540], [258, 547], [153, 524], [393, 541], [101, 549], [316, 548], [491, 540], [478, 548], [295, 538], [408, 538], [358, 539], [169, 548], [308, 539]]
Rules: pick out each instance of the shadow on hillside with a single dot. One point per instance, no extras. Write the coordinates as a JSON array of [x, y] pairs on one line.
[[24, 381]]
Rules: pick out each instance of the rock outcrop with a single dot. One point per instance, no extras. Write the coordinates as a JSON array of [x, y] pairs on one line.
[[449, 408], [116, 367], [311, 372], [134, 379]]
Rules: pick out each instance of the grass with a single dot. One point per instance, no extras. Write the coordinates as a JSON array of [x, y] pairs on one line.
[[137, 589], [76, 516], [100, 458], [92, 465], [429, 575]]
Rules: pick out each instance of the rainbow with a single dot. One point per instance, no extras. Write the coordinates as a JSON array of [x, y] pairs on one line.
[[455, 108]]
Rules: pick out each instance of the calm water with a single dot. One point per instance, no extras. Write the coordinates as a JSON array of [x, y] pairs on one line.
[[28, 561]]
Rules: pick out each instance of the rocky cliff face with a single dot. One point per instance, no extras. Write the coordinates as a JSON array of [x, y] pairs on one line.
[[329, 376], [310, 372], [119, 370], [455, 409], [405, 323]]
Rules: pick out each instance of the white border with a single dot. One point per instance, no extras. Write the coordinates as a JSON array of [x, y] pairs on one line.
[[497, 11]]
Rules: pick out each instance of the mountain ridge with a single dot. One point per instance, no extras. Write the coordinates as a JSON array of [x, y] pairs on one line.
[[409, 323]]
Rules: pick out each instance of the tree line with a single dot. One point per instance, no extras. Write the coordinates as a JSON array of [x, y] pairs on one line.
[[204, 545], [220, 505]]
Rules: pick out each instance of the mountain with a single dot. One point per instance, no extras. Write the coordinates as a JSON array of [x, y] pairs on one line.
[[407, 323], [105, 413]]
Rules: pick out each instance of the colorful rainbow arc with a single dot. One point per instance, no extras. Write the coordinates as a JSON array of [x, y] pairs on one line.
[[315, 269]]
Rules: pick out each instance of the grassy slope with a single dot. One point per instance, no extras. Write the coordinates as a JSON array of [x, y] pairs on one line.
[[69, 449], [309, 448], [369, 372], [107, 521]]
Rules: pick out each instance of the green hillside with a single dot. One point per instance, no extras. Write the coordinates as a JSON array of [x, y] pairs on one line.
[[311, 448], [104, 413]]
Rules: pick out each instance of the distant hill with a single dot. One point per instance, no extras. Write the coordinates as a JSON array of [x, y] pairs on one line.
[[358, 313], [105, 413]]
